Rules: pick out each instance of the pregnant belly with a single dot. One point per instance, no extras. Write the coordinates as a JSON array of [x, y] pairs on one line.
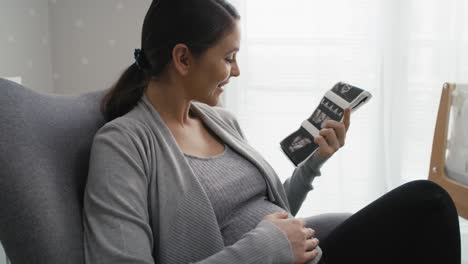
[[245, 218]]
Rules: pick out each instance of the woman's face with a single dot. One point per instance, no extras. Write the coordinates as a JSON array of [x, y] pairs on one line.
[[211, 71]]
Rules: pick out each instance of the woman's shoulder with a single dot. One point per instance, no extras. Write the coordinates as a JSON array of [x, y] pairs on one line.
[[124, 127], [125, 122]]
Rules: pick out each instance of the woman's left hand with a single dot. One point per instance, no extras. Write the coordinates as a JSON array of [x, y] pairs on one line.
[[332, 136]]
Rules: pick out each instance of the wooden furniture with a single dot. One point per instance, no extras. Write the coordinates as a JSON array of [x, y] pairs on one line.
[[437, 172]]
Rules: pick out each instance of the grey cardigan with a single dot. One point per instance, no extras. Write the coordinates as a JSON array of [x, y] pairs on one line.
[[143, 203]]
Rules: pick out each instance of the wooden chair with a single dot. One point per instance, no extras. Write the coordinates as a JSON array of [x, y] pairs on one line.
[[437, 170]]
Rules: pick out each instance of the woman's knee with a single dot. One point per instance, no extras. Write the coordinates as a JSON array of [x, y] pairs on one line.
[[427, 193]]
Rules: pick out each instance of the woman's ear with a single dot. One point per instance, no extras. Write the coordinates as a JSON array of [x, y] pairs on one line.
[[182, 59]]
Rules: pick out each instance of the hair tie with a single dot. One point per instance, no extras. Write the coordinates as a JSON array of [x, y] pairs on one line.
[[138, 55]]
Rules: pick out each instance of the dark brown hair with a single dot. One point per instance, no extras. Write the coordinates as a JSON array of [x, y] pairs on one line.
[[199, 24]]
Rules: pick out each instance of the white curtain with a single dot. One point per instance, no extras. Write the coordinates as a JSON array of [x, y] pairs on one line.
[[402, 51]]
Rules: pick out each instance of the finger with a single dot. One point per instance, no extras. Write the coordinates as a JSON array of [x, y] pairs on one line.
[[324, 149], [347, 118], [279, 215], [310, 255], [330, 135], [311, 244], [309, 232], [340, 130]]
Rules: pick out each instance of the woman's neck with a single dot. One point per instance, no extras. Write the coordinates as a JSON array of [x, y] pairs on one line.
[[171, 102]]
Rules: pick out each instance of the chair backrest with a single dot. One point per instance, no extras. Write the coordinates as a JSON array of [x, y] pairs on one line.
[[45, 142], [438, 172]]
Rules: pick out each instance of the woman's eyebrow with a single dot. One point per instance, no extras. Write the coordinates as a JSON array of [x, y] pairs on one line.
[[235, 49]]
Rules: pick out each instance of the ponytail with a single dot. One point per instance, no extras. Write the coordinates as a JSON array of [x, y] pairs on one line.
[[125, 94]]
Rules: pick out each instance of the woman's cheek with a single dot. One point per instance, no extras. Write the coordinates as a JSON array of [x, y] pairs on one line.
[[223, 70], [227, 71]]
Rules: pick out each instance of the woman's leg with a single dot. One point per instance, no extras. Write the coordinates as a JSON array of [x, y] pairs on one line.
[[323, 224], [414, 223]]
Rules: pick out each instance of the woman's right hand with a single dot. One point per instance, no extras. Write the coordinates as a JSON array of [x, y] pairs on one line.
[[301, 238]]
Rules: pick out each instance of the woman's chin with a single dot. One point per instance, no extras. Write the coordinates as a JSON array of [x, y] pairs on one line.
[[213, 101]]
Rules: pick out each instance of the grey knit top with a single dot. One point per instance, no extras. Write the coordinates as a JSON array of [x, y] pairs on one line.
[[237, 192]]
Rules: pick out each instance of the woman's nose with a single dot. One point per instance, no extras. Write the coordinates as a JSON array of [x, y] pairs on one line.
[[235, 71]]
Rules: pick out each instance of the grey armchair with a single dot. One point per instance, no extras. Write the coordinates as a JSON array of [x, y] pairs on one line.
[[44, 150]]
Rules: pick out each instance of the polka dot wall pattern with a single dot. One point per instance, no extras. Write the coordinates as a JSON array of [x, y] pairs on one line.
[[24, 42], [94, 42], [69, 47]]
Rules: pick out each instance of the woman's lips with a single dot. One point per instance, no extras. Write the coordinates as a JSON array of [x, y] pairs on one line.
[[221, 85]]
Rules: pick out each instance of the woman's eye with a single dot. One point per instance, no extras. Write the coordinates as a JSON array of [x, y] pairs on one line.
[[231, 58]]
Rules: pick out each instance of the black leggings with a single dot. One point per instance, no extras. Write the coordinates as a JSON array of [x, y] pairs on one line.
[[414, 223]]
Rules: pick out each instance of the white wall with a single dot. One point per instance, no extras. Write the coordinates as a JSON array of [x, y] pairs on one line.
[[66, 46], [25, 42], [93, 41]]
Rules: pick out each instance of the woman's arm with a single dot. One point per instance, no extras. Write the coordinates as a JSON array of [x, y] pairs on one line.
[[265, 244], [115, 215], [330, 139], [300, 183]]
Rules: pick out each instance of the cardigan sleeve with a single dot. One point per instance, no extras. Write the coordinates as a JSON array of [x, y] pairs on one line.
[[265, 244], [115, 215], [300, 183]]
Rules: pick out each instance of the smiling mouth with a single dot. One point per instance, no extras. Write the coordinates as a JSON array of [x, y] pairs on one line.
[[221, 85]]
